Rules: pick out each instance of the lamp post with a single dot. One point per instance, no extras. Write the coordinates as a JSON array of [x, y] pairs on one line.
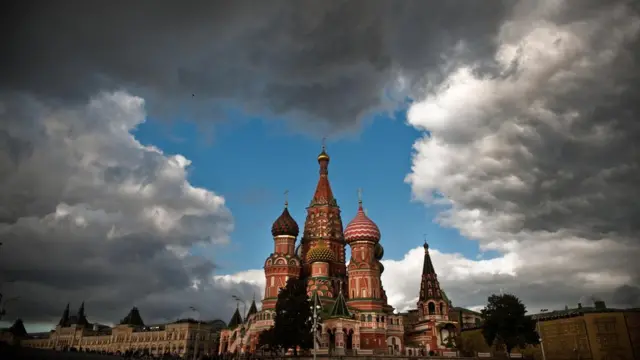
[[195, 344], [244, 305], [542, 311], [314, 327]]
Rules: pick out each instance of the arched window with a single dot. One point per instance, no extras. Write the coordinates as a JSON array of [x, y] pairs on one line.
[[441, 309], [432, 308], [362, 318], [369, 318]]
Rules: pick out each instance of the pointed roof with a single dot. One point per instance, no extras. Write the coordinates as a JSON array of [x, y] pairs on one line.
[[133, 318], [236, 319], [64, 320], [429, 285], [18, 329], [323, 194], [253, 309], [340, 308], [315, 300], [427, 265], [81, 318]]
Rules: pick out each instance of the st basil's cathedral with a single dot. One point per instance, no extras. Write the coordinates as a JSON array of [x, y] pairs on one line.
[[356, 316]]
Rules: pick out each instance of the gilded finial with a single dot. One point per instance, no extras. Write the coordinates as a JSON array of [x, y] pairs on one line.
[[286, 198], [360, 196], [426, 246]]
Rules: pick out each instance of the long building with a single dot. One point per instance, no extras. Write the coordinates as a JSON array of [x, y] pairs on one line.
[[357, 317], [181, 337]]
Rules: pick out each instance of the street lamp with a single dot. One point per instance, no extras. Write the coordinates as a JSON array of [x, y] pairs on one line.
[[542, 311], [314, 327], [244, 305], [195, 345]]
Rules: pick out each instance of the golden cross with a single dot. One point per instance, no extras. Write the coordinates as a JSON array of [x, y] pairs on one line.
[[324, 143], [286, 198], [360, 195]]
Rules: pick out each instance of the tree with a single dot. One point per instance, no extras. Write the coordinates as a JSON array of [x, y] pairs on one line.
[[268, 340], [292, 328], [505, 323]]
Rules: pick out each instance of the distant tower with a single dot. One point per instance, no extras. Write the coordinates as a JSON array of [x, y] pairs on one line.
[[365, 288], [324, 223], [431, 300], [282, 264], [64, 320]]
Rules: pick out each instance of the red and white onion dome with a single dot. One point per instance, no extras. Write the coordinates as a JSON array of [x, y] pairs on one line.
[[361, 228], [285, 225], [321, 253]]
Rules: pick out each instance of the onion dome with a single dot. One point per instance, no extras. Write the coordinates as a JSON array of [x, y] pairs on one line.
[[378, 251], [320, 253], [381, 267], [361, 228], [285, 225]]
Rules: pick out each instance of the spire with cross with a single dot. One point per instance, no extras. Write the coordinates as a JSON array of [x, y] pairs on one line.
[[286, 198]]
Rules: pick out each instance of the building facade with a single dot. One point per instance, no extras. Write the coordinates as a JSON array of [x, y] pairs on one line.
[[596, 333], [181, 338], [356, 316]]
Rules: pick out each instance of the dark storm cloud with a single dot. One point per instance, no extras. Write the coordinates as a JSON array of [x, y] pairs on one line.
[[541, 162], [327, 61], [90, 214]]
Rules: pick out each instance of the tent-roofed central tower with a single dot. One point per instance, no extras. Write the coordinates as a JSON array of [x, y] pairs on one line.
[[324, 224]]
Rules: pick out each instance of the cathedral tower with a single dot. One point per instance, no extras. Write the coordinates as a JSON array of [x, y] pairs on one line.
[[282, 264], [324, 224], [431, 302], [365, 288], [319, 281]]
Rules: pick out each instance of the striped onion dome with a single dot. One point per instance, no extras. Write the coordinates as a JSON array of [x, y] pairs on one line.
[[361, 228], [320, 253]]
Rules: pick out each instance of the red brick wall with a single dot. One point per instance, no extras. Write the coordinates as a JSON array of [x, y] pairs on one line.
[[375, 341]]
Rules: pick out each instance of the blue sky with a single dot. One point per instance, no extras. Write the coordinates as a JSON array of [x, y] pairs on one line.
[[252, 161]]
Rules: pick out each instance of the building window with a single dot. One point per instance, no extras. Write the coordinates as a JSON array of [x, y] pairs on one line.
[[432, 308]]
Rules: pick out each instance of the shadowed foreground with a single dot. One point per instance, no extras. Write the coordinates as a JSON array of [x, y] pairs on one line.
[[15, 352]]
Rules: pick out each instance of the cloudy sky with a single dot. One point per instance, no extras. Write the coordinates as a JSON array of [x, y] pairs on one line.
[[145, 147]]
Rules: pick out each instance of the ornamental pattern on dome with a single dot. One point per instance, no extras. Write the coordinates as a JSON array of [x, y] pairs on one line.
[[321, 253], [361, 228], [285, 225]]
